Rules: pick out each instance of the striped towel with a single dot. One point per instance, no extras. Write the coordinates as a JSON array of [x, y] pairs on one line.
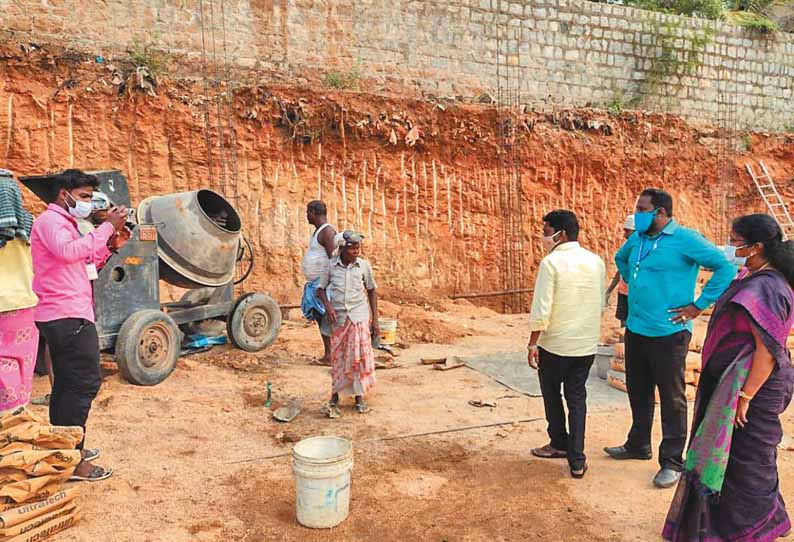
[[15, 220]]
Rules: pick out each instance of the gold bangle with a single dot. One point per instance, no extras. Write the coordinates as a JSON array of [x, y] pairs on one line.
[[745, 396]]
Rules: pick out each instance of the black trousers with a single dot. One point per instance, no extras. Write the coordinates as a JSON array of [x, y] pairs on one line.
[[41, 364], [570, 373], [74, 349], [658, 362]]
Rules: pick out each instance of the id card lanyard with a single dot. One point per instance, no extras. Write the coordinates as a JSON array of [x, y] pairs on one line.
[[90, 266], [641, 256]]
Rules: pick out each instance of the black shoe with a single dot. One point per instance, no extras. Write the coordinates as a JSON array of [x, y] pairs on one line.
[[620, 452]]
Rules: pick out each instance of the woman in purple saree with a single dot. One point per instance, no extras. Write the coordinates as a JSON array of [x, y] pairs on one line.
[[730, 491]]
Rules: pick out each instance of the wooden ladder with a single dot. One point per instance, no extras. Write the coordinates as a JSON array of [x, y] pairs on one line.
[[777, 208]]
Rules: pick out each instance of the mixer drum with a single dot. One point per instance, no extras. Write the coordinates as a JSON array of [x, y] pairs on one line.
[[198, 235]]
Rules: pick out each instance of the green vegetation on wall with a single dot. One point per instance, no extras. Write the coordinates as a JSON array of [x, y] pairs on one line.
[[752, 15], [674, 51]]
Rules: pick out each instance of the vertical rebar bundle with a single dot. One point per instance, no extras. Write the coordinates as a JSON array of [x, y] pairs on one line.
[[509, 179], [726, 173], [223, 98]]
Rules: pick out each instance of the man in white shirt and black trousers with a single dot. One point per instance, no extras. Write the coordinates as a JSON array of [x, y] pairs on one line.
[[565, 323]]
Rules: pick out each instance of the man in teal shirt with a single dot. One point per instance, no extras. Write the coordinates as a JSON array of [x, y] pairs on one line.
[[660, 262]]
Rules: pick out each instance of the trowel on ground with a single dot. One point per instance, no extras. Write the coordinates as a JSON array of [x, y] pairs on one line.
[[451, 362], [288, 412]]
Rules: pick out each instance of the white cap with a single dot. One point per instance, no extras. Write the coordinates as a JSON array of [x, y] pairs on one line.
[[629, 223]]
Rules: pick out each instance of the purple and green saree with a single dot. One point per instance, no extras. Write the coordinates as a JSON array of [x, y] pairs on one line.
[[730, 490]]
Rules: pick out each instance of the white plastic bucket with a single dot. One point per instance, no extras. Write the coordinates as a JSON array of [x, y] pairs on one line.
[[388, 331], [322, 467]]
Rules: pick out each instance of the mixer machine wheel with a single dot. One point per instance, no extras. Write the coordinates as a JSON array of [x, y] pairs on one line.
[[147, 347], [254, 322]]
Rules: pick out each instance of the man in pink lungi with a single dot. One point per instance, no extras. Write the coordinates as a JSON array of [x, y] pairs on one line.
[[353, 313]]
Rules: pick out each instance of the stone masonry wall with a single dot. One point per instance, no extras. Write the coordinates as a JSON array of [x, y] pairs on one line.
[[561, 52]]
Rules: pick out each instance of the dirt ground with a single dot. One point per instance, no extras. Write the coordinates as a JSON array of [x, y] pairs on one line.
[[189, 454]]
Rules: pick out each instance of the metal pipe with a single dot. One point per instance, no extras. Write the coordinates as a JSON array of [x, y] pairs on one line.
[[492, 294]]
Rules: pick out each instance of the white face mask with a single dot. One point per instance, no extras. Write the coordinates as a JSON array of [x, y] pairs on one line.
[[730, 253], [81, 209], [548, 242]]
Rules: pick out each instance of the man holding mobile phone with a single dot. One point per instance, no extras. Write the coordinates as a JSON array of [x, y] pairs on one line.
[[64, 263]]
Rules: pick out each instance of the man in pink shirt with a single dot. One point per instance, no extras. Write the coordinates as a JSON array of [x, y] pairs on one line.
[[64, 264]]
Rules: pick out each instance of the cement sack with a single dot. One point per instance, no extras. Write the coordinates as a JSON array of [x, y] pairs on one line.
[[55, 525], [42, 435], [620, 350], [9, 476], [693, 361], [17, 417], [20, 447], [615, 380], [691, 391], [616, 383], [38, 521], [37, 463], [35, 489], [698, 335], [21, 513]]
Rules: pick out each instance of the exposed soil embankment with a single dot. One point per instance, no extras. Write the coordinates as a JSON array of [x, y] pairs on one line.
[[419, 179]]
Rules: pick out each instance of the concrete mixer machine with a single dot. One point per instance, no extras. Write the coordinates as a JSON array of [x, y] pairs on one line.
[[192, 240]]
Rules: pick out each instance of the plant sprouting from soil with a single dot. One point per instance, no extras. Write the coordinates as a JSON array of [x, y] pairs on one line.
[[343, 80], [144, 54], [148, 63], [615, 107]]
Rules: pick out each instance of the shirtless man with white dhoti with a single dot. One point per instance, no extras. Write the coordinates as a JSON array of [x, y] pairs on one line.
[[315, 265]]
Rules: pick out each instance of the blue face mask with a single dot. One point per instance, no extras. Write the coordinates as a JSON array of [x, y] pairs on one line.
[[643, 221], [730, 253]]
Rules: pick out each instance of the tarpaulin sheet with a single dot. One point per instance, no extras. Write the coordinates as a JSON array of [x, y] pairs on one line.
[[511, 369]]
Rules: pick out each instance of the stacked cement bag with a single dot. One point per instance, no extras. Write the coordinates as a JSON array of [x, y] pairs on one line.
[[694, 364], [36, 459], [617, 371]]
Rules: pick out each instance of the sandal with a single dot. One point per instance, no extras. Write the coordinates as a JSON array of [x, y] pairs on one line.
[[579, 473], [331, 410], [362, 408], [96, 474], [90, 454], [549, 452], [41, 401]]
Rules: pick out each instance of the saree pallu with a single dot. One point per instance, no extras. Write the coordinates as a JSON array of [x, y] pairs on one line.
[[730, 488], [19, 342], [352, 359]]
